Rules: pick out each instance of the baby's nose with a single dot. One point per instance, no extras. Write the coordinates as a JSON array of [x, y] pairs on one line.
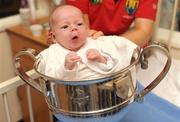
[[73, 28]]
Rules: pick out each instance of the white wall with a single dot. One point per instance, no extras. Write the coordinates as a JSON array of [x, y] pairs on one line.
[[163, 36]]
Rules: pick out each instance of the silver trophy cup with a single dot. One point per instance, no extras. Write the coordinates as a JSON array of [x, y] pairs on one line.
[[102, 100]]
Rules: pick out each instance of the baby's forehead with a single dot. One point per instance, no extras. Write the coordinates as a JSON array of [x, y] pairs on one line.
[[64, 13], [69, 17], [68, 10], [67, 14]]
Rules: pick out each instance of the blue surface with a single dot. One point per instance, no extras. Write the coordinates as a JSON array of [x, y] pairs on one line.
[[153, 109]]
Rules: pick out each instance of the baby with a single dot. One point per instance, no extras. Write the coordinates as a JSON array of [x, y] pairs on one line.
[[74, 56]]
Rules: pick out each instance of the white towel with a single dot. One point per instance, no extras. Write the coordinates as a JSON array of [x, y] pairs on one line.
[[116, 49]]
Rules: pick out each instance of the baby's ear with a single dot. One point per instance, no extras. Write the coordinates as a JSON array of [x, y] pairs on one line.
[[53, 37]]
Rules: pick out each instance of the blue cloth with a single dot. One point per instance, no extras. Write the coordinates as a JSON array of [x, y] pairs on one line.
[[153, 109]]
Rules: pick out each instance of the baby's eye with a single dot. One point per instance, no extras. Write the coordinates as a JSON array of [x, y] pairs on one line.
[[79, 24], [64, 26]]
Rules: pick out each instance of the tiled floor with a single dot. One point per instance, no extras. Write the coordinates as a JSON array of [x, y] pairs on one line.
[[169, 88]]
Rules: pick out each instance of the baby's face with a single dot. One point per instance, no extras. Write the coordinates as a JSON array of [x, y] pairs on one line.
[[70, 30]]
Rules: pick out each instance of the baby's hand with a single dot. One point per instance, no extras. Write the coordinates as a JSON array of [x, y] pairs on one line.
[[94, 55], [70, 60]]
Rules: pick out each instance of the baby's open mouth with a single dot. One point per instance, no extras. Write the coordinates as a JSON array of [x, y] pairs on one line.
[[74, 37]]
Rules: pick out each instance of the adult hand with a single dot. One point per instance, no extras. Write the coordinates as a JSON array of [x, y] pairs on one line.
[[95, 34], [70, 60]]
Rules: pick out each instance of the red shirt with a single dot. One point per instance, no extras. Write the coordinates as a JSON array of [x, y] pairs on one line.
[[115, 17]]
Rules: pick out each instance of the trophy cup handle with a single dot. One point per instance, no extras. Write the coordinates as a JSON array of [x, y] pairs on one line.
[[144, 65], [19, 70]]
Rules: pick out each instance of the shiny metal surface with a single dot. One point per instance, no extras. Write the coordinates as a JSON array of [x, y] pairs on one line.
[[92, 98]]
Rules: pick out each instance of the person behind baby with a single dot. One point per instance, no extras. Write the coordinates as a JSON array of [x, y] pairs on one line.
[[74, 56]]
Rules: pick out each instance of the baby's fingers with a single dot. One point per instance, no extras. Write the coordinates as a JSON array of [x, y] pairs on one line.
[[92, 54], [75, 58]]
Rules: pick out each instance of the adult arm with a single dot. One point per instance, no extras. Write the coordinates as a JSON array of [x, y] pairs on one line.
[[141, 31], [143, 23]]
